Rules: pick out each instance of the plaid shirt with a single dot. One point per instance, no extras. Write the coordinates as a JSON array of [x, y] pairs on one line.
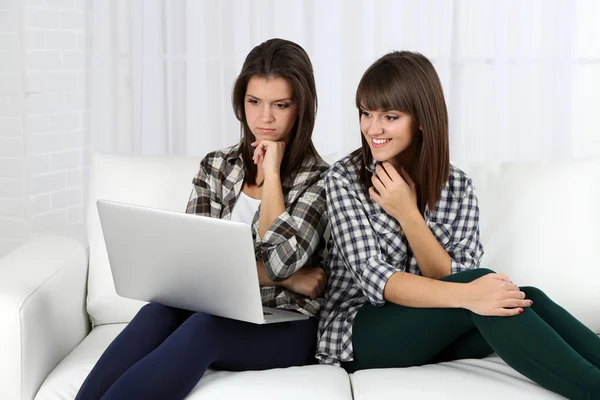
[[293, 240], [368, 246]]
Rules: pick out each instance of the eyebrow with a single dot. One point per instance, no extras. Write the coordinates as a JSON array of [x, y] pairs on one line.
[[274, 101]]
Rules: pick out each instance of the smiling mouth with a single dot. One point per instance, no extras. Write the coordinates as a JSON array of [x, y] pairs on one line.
[[379, 142]]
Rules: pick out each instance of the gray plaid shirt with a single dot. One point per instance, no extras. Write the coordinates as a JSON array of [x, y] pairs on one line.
[[367, 246], [295, 238]]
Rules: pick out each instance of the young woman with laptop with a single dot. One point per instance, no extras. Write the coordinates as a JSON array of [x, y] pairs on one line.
[[404, 284], [272, 180]]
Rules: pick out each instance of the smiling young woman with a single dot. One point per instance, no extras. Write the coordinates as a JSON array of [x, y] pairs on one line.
[[405, 286]]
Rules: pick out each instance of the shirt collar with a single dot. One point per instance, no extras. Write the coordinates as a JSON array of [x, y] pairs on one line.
[[372, 165], [234, 154]]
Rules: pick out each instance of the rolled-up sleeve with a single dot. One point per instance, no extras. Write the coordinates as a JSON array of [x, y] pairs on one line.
[[465, 247], [353, 235], [294, 236]]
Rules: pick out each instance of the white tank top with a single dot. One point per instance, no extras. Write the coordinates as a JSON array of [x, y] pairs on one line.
[[244, 209]]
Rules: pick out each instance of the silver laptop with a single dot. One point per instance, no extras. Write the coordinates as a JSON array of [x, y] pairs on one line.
[[185, 261]]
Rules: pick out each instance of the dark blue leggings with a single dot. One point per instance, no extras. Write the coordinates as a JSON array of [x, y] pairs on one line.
[[163, 352]]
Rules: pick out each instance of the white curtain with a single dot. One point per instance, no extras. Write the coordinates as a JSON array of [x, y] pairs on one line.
[[521, 78]]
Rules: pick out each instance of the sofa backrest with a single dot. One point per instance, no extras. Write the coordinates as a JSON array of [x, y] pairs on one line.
[[160, 182], [540, 224]]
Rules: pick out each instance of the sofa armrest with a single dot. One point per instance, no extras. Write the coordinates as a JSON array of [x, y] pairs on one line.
[[42, 311]]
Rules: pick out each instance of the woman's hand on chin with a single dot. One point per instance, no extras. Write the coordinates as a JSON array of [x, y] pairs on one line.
[[394, 191], [268, 155]]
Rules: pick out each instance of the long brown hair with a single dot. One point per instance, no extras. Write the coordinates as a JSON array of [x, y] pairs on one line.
[[279, 58], [407, 82]]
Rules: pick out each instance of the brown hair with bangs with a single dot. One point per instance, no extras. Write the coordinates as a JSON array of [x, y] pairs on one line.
[[407, 82], [279, 58]]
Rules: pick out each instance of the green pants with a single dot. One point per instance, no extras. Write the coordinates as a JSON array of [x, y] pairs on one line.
[[544, 343]]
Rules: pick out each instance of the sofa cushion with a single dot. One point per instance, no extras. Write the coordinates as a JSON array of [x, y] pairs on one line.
[[309, 382], [159, 182], [489, 378], [540, 224]]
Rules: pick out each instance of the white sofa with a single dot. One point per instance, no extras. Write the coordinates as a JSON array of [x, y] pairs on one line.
[[539, 222]]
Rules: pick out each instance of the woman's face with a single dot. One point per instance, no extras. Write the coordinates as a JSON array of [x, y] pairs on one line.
[[389, 133], [270, 109]]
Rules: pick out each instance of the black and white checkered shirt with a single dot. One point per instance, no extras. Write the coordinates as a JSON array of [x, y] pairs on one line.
[[293, 240], [367, 246]]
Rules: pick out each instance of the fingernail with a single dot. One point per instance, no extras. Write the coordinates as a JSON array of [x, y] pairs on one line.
[[531, 302], [521, 311]]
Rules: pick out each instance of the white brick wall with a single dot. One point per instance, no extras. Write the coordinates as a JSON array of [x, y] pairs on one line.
[[43, 137], [14, 224]]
